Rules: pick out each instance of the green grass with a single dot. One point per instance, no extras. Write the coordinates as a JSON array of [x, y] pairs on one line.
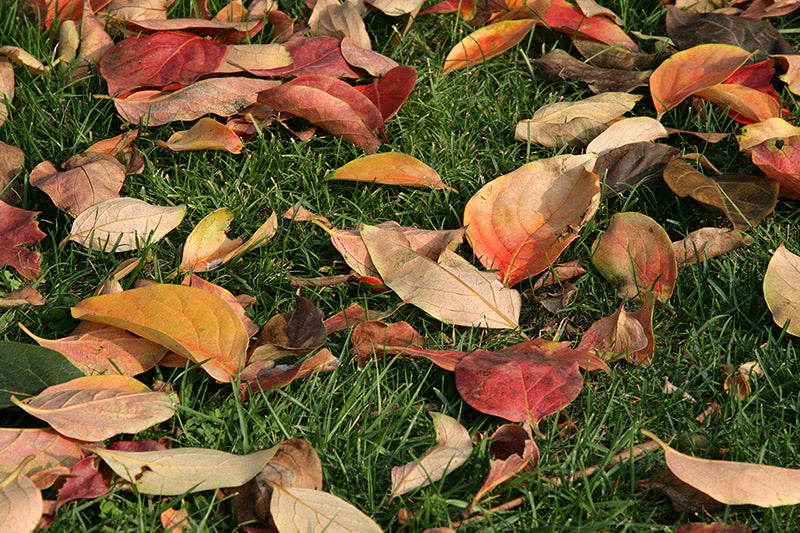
[[363, 421]]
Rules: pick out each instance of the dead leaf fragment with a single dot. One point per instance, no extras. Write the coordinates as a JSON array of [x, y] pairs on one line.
[[298, 213], [124, 224], [782, 289], [452, 448], [25, 295], [6, 87], [291, 334], [558, 65], [706, 243], [174, 520]]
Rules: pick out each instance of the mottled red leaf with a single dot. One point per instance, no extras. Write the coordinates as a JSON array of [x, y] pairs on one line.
[[466, 8], [376, 338], [321, 56], [291, 334], [18, 228], [48, 448]]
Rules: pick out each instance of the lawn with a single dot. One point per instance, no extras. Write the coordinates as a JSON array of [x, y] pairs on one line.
[[364, 420]]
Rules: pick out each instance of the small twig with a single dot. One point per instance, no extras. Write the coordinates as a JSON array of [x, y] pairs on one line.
[[324, 281]]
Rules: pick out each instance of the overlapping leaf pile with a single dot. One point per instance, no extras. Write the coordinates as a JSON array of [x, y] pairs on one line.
[[162, 70]]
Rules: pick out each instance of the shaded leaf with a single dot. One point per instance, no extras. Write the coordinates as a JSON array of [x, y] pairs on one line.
[[94, 408], [395, 8], [296, 333], [390, 168], [560, 273], [782, 289], [87, 179], [635, 254], [558, 65], [179, 470], [124, 224], [320, 56], [27, 370], [222, 30], [633, 164], [206, 134], [619, 334], [486, 43], [315, 511], [684, 498], [613, 57], [791, 66], [626, 131], [520, 223], [174, 520], [84, 481], [21, 502], [196, 324], [715, 527], [18, 227], [12, 160], [374, 337], [734, 483], [374, 63], [6, 87], [25, 295], [450, 289], [706, 243], [453, 447]]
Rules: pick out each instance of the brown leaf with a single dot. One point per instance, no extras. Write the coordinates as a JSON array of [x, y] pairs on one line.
[[684, 498], [376, 338], [613, 57], [560, 273], [375, 64], [206, 134], [745, 200], [298, 213], [25, 295], [6, 87], [633, 164], [706, 243], [334, 19], [291, 334], [559, 65], [264, 376], [87, 179], [782, 289], [12, 160], [453, 447], [450, 289]]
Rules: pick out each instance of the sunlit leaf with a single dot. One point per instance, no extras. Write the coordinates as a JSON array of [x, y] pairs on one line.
[[486, 42], [390, 168], [313, 511], [782, 289]]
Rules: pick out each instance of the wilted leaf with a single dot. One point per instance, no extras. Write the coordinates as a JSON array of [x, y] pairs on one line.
[[124, 224], [692, 70], [521, 222], [390, 168], [452, 448], [218, 96], [626, 131], [264, 376], [18, 228], [633, 164], [27, 370], [87, 179], [94, 408], [12, 160], [613, 57], [46, 446], [389, 92], [21, 502], [206, 134], [296, 333], [745, 200], [374, 337], [523, 382], [558, 65], [560, 273], [734, 483], [450, 289], [706, 243], [688, 30], [782, 289], [613, 336], [375, 64], [314, 511], [513, 450], [635, 254], [791, 64], [196, 324], [486, 43], [179, 470], [107, 350]]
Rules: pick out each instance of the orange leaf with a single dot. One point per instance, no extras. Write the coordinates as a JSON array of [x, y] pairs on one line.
[[487, 42], [521, 222], [206, 134], [692, 70], [390, 168], [192, 322], [750, 103]]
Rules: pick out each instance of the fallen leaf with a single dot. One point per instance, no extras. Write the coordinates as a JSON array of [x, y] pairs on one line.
[[520, 223], [453, 447], [21, 504], [264, 376], [12, 160], [95, 408], [218, 96], [558, 65], [734, 483], [633, 164], [450, 289], [27, 370], [375, 64], [635, 254], [340, 19], [745, 200], [206, 134], [782, 289], [291, 334], [138, 9], [174, 520], [714, 527], [185, 470], [25, 295], [121, 147], [298, 213], [352, 316], [389, 92], [780, 160], [221, 30], [612, 57], [590, 8], [375, 338], [513, 450], [687, 30], [87, 179], [18, 227], [752, 135], [395, 8], [465, 8], [196, 324], [626, 131], [320, 56], [20, 56], [331, 104], [250, 57], [692, 70], [6, 87], [705, 136], [791, 66], [706, 243], [315, 511], [124, 224], [46, 446], [560, 273], [523, 382], [390, 168], [614, 336], [684, 498], [198, 282], [107, 350], [486, 43], [744, 103], [84, 481]]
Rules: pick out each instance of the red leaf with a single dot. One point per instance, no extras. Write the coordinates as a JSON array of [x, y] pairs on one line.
[[227, 32], [85, 481], [779, 158], [391, 91], [18, 227], [571, 20], [321, 56], [465, 8], [485, 43]]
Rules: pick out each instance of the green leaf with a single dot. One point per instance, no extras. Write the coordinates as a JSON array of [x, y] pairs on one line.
[[26, 370]]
